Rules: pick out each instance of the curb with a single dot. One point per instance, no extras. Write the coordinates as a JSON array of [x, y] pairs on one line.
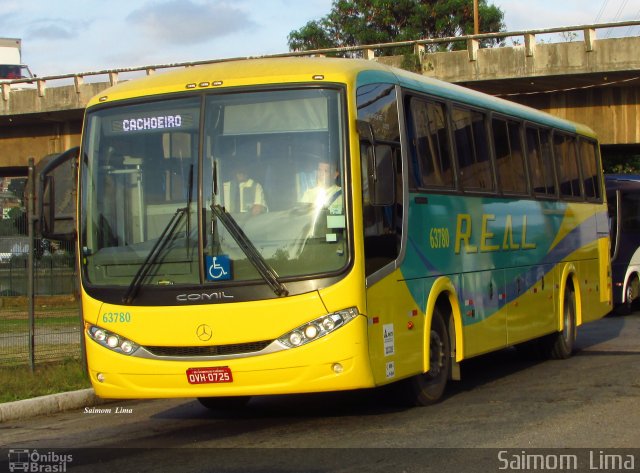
[[50, 404]]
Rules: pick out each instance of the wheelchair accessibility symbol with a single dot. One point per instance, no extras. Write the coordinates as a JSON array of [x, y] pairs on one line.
[[218, 268]]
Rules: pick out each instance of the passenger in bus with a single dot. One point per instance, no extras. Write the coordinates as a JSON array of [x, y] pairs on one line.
[[243, 194], [327, 192]]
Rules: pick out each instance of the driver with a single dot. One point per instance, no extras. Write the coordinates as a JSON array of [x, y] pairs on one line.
[[326, 193], [243, 194]]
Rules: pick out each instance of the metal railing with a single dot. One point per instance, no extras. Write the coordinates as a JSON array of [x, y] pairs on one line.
[[366, 51]]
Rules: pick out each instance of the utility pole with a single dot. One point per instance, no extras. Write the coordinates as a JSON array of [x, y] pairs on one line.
[[31, 270], [476, 20]]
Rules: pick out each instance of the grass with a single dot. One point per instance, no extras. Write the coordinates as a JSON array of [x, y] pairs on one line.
[[57, 316], [18, 382], [21, 324], [40, 302]]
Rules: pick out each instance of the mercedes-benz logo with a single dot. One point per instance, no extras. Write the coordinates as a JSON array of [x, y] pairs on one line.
[[204, 332]]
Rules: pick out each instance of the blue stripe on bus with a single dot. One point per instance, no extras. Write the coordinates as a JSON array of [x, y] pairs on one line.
[[579, 237]]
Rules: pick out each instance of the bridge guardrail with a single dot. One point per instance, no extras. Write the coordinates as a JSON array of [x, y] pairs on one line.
[[366, 51]]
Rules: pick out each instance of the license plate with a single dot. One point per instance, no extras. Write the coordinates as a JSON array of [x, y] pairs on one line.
[[217, 374]]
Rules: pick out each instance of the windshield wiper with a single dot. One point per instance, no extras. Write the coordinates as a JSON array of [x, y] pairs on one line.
[[189, 200], [160, 243], [254, 256], [151, 258]]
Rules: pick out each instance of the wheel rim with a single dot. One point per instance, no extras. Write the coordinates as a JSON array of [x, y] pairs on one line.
[[436, 355], [632, 291], [567, 330]]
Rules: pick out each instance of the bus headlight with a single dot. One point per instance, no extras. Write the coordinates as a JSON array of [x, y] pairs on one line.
[[318, 328], [111, 340]]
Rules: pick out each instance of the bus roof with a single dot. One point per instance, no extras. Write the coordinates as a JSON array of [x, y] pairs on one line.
[[622, 182], [355, 72]]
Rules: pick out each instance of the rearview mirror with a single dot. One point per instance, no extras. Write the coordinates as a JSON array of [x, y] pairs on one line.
[[57, 178]]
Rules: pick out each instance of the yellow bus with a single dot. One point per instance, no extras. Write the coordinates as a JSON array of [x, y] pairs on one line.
[[295, 225]]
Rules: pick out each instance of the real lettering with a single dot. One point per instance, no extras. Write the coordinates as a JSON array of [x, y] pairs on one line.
[[491, 233]]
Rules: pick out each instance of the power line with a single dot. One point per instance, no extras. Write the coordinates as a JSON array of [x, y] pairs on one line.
[[601, 12], [630, 28], [618, 13]]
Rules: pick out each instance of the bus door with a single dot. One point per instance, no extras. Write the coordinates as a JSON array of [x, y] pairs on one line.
[[613, 206], [389, 303]]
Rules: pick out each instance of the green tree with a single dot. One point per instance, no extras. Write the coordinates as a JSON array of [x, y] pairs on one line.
[[361, 22], [620, 162]]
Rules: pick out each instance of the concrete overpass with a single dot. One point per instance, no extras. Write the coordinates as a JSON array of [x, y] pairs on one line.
[[589, 80]]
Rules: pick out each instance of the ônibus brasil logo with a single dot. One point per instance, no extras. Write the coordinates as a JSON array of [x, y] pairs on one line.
[[21, 459]]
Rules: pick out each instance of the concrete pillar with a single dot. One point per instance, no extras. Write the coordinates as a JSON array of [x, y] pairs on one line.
[[77, 82], [529, 44], [472, 47], [41, 87], [418, 50], [590, 39]]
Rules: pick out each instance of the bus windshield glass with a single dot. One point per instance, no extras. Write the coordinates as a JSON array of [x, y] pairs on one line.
[[208, 189]]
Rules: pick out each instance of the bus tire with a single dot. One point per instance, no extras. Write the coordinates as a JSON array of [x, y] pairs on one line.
[[558, 345], [631, 291], [561, 343], [427, 388], [224, 403]]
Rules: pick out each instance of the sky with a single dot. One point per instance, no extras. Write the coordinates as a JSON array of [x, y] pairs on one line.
[[73, 36]]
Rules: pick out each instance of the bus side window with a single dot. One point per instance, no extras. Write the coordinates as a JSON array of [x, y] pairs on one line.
[[541, 161], [431, 144], [509, 157], [472, 150], [630, 217], [565, 153], [590, 166]]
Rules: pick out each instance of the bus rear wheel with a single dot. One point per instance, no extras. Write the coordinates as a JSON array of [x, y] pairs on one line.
[[558, 345], [561, 343], [427, 388]]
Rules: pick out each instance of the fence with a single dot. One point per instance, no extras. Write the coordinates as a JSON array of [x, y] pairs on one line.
[[55, 333]]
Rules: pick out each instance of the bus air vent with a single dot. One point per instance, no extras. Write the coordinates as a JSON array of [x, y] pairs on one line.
[[213, 350]]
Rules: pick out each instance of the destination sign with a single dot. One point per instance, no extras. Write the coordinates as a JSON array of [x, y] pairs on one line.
[[152, 123], [182, 119]]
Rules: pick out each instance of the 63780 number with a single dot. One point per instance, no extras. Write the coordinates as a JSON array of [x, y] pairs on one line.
[[439, 238], [116, 317]]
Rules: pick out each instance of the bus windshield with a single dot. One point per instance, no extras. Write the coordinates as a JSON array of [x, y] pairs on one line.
[[214, 189]]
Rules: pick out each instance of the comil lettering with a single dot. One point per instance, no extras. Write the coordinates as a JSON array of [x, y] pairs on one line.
[[152, 123], [490, 234]]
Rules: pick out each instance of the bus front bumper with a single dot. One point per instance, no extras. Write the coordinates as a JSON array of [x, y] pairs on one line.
[[338, 361]]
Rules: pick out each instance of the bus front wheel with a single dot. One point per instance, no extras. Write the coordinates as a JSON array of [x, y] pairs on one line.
[[427, 388]]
